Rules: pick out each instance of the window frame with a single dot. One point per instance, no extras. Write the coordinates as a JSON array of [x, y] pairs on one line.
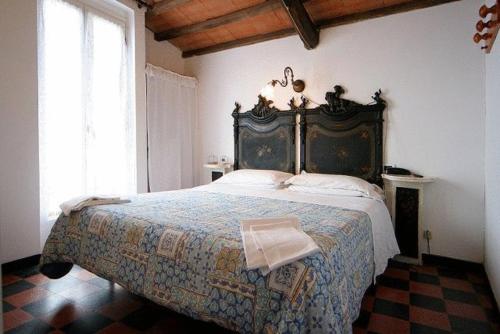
[[118, 12]]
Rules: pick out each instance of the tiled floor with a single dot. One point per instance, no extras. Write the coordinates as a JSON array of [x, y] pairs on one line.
[[407, 299]]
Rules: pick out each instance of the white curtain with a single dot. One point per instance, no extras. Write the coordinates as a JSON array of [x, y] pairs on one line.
[[86, 120], [172, 122]]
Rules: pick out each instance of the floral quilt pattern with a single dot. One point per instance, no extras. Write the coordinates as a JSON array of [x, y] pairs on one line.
[[183, 250]]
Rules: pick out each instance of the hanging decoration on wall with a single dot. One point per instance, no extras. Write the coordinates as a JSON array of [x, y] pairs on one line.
[[492, 25]]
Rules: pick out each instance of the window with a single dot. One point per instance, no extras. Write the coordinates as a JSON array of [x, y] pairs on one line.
[[86, 119]]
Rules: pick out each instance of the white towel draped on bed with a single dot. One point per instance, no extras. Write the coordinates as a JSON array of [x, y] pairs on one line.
[[270, 243], [78, 203]]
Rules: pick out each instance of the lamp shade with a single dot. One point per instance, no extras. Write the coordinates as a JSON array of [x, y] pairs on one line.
[[268, 91]]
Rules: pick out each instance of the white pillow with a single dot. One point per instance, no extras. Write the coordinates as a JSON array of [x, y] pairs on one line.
[[255, 177], [334, 185], [338, 192]]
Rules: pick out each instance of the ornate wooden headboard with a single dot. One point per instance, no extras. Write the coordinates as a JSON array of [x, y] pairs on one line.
[[339, 137], [264, 138], [343, 137]]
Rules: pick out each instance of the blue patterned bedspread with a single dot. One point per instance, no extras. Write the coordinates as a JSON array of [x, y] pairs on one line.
[[183, 250]]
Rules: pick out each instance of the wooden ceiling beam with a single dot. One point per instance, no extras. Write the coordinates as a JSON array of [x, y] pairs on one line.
[[238, 15], [379, 12], [239, 42], [302, 22], [163, 6]]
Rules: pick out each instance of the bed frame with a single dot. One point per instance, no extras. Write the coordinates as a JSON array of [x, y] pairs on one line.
[[339, 137]]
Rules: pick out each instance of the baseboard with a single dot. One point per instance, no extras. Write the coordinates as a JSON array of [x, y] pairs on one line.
[[444, 261], [20, 264]]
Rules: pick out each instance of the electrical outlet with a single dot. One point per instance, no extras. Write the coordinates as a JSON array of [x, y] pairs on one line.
[[427, 235]]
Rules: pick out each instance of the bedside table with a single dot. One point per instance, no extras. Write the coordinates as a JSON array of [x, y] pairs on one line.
[[405, 200], [218, 170]]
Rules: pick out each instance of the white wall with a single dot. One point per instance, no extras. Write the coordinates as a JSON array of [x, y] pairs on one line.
[[19, 181], [492, 165], [432, 76], [19, 176], [163, 54]]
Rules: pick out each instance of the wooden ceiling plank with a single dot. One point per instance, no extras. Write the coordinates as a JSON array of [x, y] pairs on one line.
[[238, 15], [302, 22], [240, 42], [163, 6], [337, 21], [379, 12]]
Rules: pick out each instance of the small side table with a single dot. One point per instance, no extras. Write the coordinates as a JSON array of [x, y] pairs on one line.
[[218, 170], [405, 200]]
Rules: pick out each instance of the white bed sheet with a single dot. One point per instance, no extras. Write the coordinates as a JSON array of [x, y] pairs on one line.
[[384, 240]]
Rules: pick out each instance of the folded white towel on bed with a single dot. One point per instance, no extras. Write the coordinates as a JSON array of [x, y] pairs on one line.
[[270, 243], [255, 258], [78, 203], [282, 245]]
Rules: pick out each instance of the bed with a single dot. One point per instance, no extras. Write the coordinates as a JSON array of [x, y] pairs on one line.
[[183, 249]]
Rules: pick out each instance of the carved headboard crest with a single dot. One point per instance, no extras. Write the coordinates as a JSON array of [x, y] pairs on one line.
[[237, 108], [337, 105], [263, 109]]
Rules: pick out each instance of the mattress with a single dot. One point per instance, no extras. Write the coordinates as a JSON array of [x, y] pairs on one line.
[[183, 250]]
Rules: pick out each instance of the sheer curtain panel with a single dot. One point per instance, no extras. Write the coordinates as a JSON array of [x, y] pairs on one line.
[[172, 120], [86, 120]]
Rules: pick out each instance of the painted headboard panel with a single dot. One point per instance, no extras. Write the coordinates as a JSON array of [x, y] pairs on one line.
[[264, 138], [343, 137]]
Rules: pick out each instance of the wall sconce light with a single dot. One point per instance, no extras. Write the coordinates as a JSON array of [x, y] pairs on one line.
[[298, 85]]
